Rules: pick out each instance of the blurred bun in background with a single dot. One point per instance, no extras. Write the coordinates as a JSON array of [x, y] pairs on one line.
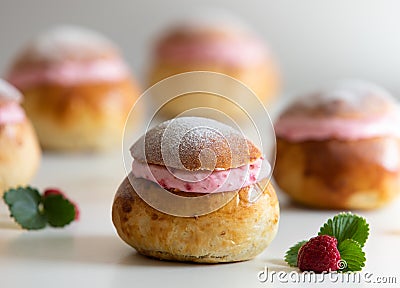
[[78, 90], [216, 42], [19, 148], [340, 148]]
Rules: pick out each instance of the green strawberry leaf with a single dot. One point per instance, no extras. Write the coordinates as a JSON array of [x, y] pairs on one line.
[[24, 204], [346, 226], [59, 210], [291, 254], [353, 258]]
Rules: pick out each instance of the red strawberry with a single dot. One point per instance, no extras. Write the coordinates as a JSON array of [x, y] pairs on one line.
[[54, 191], [319, 254]]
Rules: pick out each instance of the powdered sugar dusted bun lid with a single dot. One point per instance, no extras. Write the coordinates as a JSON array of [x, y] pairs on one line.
[[214, 43], [340, 148], [212, 37], [67, 55], [199, 175], [68, 43], [77, 88], [19, 147], [195, 143], [206, 18], [350, 98]]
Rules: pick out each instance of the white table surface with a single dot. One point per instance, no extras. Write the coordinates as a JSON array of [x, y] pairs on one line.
[[89, 253]]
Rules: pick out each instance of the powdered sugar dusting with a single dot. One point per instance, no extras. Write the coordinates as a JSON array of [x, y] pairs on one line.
[[68, 41], [350, 96], [355, 90], [179, 143], [9, 93], [206, 19]]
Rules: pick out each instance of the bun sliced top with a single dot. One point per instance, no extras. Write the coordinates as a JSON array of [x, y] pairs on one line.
[[195, 143], [347, 99], [66, 43]]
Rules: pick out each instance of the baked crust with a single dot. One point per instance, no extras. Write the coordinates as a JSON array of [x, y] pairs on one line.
[[189, 137], [85, 116], [19, 154], [335, 174], [238, 231], [344, 102]]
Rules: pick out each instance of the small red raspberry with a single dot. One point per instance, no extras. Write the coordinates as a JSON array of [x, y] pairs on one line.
[[319, 254], [54, 191]]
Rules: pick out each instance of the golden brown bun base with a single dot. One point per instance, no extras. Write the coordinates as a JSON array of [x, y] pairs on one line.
[[337, 174], [19, 154], [236, 232], [263, 79], [80, 117]]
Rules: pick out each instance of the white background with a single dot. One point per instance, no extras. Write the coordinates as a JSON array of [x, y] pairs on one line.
[[315, 41]]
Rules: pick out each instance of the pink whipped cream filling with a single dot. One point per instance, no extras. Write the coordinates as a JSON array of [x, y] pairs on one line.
[[69, 73], [11, 112], [300, 128], [230, 52], [203, 181]]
